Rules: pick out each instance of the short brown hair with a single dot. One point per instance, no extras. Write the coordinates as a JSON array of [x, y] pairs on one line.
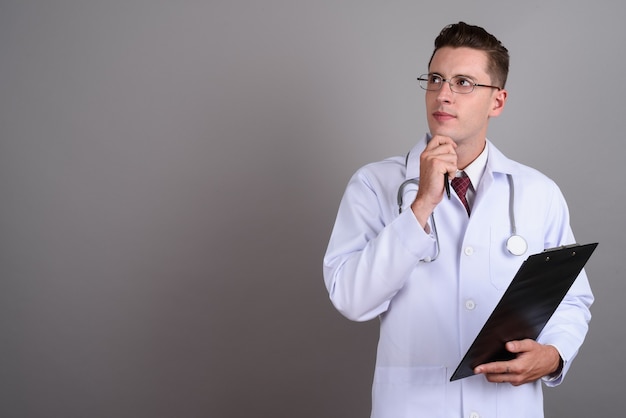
[[461, 34]]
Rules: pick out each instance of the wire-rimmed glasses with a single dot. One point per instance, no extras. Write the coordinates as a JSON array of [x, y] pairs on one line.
[[458, 84]]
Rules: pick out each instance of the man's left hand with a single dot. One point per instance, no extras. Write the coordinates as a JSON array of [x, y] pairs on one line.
[[533, 362]]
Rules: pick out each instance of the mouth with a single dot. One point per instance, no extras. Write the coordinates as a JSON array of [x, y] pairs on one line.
[[442, 116]]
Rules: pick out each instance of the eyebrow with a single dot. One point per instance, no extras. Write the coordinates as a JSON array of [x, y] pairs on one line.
[[456, 75]]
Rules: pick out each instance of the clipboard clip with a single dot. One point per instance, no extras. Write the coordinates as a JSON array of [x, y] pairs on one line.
[[562, 247]]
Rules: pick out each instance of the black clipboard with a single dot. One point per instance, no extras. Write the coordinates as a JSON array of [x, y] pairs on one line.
[[536, 291]]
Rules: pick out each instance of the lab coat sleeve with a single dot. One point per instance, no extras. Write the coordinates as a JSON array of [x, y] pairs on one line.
[[568, 326], [371, 253]]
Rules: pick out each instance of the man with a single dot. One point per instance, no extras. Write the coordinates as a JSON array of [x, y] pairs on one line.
[[432, 269]]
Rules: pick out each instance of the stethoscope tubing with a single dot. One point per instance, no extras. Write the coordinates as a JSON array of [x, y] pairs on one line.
[[515, 244]]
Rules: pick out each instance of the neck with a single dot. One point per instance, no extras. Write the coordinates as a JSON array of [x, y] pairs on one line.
[[468, 152]]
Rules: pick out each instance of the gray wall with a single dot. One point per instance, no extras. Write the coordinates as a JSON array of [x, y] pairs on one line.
[[170, 173]]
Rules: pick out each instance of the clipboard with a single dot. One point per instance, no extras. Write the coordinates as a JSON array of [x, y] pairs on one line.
[[535, 292]]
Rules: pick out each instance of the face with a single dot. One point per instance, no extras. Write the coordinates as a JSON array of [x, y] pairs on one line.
[[462, 117]]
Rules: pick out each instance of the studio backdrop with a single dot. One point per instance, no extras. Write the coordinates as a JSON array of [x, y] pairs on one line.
[[170, 173]]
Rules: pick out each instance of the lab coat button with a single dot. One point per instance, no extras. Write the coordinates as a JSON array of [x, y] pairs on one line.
[[469, 250], [474, 415], [470, 304]]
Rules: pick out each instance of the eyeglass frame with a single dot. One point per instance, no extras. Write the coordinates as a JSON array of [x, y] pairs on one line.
[[425, 77]]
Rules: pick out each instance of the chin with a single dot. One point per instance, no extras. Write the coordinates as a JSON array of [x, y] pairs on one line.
[[436, 129]]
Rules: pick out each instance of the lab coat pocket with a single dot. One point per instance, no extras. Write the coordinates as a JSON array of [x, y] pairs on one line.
[[502, 264], [409, 391]]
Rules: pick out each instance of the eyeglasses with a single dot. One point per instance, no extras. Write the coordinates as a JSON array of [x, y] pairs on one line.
[[458, 83]]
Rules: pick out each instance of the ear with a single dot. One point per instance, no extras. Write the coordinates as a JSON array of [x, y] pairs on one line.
[[499, 100]]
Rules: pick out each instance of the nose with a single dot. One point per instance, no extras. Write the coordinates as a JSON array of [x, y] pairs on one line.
[[445, 93]]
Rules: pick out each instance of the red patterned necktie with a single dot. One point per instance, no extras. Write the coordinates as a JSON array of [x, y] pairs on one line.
[[460, 186]]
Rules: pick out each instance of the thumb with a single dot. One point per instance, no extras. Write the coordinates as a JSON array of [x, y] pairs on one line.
[[520, 346], [514, 346]]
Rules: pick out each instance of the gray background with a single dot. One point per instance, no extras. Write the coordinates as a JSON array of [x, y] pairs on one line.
[[170, 173]]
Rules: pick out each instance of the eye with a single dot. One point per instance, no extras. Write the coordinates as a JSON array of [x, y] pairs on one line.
[[435, 79], [463, 82]]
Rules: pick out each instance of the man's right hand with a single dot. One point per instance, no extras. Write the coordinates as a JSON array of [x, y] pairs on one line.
[[436, 160]]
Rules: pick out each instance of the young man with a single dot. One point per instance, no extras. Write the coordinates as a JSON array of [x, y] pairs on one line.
[[433, 267]]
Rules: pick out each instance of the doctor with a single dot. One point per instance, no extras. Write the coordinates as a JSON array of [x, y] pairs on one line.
[[432, 270]]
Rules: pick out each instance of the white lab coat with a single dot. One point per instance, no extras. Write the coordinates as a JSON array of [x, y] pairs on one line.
[[430, 313]]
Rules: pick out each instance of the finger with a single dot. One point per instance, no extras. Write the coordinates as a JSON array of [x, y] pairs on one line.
[[444, 153], [453, 171], [495, 368], [439, 141], [520, 345]]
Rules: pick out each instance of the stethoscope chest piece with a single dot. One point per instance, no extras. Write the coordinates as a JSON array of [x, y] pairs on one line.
[[516, 245]]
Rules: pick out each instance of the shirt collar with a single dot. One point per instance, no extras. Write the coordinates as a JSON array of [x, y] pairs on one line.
[[477, 167]]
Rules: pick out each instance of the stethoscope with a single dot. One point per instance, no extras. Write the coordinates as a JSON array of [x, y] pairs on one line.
[[515, 244]]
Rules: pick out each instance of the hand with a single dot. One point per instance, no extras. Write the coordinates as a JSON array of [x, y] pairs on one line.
[[533, 362], [438, 158]]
